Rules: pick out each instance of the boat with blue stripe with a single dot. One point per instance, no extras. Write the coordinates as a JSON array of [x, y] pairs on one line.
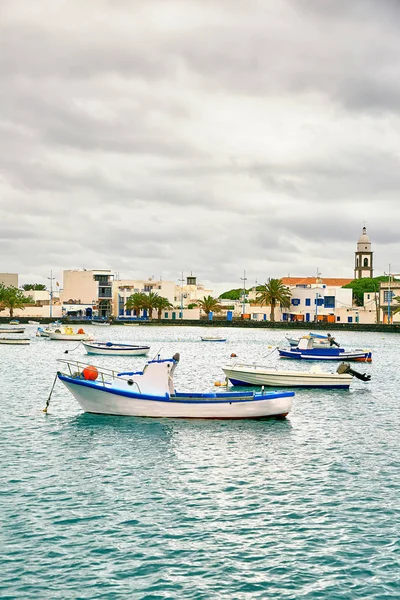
[[151, 393], [307, 350]]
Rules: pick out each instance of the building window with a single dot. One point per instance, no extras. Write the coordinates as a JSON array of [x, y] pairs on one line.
[[308, 301], [337, 318], [329, 301], [165, 315], [319, 301], [388, 296], [295, 301], [357, 263], [365, 262]]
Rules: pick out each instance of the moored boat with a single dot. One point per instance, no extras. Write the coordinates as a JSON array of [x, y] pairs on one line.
[[68, 334], [15, 341], [239, 374], [151, 393], [212, 338], [306, 350], [111, 349], [14, 322], [12, 329], [33, 323]]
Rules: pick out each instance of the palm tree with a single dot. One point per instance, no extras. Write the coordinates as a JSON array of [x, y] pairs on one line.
[[161, 304], [150, 302], [12, 298], [210, 304], [396, 308], [273, 293], [136, 302]]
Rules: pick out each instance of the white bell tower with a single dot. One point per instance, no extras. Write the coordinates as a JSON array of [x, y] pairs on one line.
[[363, 266]]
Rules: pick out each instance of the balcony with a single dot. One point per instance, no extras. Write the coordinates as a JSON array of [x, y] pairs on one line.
[[105, 292]]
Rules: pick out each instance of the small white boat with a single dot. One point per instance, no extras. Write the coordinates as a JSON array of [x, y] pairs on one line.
[[101, 324], [12, 329], [239, 374], [68, 334], [318, 340], [15, 341], [151, 393], [212, 338], [33, 323], [115, 349]]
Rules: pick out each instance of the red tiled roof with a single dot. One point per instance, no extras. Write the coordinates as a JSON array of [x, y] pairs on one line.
[[328, 281]]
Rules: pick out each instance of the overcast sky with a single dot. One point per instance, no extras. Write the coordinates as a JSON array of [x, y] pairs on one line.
[[153, 137]]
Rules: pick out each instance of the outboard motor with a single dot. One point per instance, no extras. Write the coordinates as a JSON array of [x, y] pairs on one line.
[[345, 368]]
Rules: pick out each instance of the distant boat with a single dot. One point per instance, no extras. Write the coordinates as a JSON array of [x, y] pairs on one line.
[[14, 322], [212, 338], [115, 349], [68, 334], [306, 350], [12, 329], [132, 324], [33, 323], [15, 341]]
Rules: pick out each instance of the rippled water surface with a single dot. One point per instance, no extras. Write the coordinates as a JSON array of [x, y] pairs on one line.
[[119, 507]]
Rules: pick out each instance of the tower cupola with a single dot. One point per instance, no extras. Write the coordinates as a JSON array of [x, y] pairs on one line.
[[363, 266]]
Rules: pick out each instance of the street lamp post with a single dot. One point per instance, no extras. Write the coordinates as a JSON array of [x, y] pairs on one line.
[[244, 279], [51, 293], [182, 280]]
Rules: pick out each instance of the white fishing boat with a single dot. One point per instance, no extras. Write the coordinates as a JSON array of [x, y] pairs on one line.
[[15, 341], [318, 340], [212, 338], [33, 323], [241, 374], [12, 329], [151, 393], [68, 334], [112, 349]]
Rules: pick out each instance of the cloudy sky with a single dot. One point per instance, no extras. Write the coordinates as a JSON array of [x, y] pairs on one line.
[[153, 137]]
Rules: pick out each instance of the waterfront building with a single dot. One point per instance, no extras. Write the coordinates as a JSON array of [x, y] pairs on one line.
[[9, 279], [363, 265], [123, 288], [388, 292], [190, 292], [87, 293]]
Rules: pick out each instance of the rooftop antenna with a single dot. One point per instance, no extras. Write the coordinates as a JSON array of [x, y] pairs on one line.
[[181, 280]]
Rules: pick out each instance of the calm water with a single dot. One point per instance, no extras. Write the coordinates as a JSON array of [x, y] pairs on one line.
[[114, 507]]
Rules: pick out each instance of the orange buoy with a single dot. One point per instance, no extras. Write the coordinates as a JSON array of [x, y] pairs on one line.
[[80, 330], [233, 355], [90, 373]]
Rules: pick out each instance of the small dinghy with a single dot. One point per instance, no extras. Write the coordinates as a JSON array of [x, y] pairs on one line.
[[151, 393], [307, 350], [15, 341], [12, 329], [33, 323], [239, 374], [115, 349], [212, 338]]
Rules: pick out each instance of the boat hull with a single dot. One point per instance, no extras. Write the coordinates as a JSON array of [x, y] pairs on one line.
[[94, 398], [290, 379], [205, 339], [116, 350], [327, 354], [15, 341], [12, 330], [68, 337]]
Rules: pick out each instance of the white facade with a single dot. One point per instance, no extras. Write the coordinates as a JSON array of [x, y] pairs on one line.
[[9, 279], [87, 293], [123, 288]]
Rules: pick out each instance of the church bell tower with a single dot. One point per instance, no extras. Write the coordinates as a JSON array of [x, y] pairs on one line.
[[363, 266]]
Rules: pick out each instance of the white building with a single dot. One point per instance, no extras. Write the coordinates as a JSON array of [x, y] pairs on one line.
[[87, 293]]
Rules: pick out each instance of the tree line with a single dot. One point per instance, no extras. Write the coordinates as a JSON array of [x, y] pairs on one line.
[[12, 298]]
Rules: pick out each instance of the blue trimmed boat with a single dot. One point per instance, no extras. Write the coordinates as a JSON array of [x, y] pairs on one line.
[[151, 393], [308, 350], [111, 349]]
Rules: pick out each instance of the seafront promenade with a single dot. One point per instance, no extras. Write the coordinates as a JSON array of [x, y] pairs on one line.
[[235, 323]]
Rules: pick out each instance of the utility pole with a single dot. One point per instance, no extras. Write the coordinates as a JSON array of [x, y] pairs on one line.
[[182, 280], [244, 279], [51, 293]]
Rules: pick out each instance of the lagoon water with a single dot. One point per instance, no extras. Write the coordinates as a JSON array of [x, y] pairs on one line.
[[118, 507]]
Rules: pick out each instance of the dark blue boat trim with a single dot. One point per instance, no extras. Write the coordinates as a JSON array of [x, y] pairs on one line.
[[231, 399], [324, 387]]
